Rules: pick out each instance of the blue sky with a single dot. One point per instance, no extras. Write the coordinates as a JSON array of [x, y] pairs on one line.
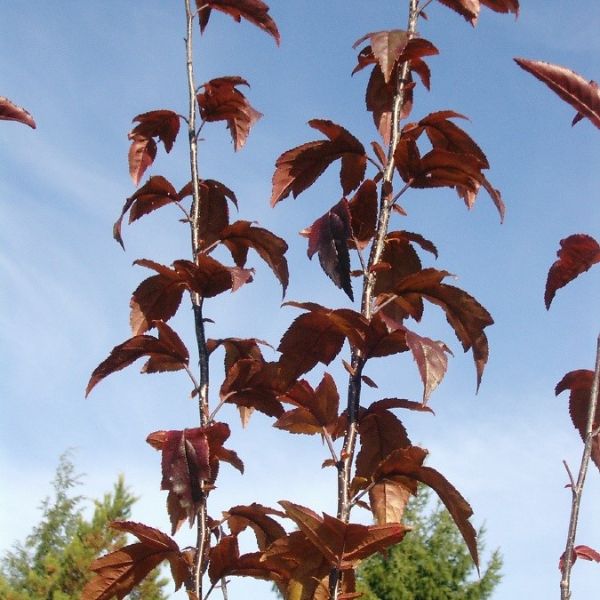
[[85, 69]]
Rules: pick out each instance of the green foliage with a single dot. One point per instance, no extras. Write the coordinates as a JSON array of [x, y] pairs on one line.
[[53, 562], [431, 563]]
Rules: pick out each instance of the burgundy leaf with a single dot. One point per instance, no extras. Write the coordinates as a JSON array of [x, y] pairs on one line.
[[328, 236], [582, 95], [156, 192], [11, 112], [579, 383], [254, 11], [297, 169], [167, 353], [576, 255], [221, 101]]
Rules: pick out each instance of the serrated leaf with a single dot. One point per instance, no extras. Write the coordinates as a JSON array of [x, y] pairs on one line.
[[9, 111], [221, 101], [408, 463], [577, 253], [254, 11], [328, 236], [297, 169], [190, 458], [343, 544], [387, 47], [158, 298], [318, 336], [431, 358], [161, 124], [240, 236], [156, 192], [167, 353], [579, 383], [317, 410], [259, 519], [363, 214], [582, 95], [119, 572]]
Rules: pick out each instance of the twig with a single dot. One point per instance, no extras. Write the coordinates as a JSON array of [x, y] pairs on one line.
[[577, 488]]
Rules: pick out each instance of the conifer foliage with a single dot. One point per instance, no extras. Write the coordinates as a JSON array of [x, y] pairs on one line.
[[363, 251]]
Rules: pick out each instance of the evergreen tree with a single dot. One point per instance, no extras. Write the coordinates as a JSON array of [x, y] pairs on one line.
[[53, 562], [431, 563]]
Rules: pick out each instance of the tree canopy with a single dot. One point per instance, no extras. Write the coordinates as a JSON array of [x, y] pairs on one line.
[[431, 563], [53, 562]]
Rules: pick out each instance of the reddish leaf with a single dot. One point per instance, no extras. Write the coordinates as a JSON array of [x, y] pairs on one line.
[[388, 500], [307, 571], [158, 297], [576, 255], [465, 315], [241, 235], [255, 384], [318, 336], [190, 460], [579, 383], [142, 153], [383, 340], [317, 409], [408, 463], [584, 552], [343, 544], [11, 112], [328, 236], [167, 353], [297, 169], [119, 572], [431, 358], [582, 95], [226, 561], [254, 11], [255, 516], [363, 214], [221, 101], [156, 192], [400, 403], [469, 9], [381, 432], [386, 47], [162, 124], [214, 212]]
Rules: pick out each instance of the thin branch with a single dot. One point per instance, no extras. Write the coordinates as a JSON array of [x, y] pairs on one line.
[[330, 446], [357, 363], [565, 582]]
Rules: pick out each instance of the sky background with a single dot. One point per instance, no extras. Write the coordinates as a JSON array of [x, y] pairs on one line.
[[84, 70]]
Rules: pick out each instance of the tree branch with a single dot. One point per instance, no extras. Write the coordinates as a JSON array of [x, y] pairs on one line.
[[577, 488]]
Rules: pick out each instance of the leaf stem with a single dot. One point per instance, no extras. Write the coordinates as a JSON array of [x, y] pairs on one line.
[[577, 487]]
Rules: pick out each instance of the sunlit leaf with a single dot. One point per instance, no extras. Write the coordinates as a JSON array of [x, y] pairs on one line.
[[167, 353], [11, 112], [579, 383], [582, 95], [577, 253], [297, 169], [254, 11]]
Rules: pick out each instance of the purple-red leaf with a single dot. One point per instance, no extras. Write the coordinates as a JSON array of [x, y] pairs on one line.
[[167, 353], [11, 112], [297, 169], [579, 383], [328, 236], [156, 192], [576, 255], [254, 11], [240, 236], [221, 101], [582, 95], [119, 572], [161, 124]]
